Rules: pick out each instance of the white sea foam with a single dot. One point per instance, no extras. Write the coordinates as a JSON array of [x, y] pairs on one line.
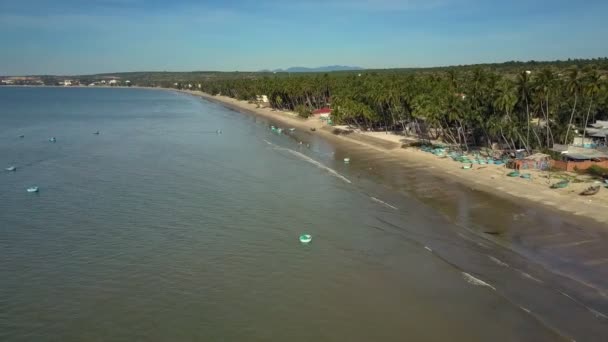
[[310, 160], [475, 281], [526, 275], [504, 264], [383, 203], [319, 165]]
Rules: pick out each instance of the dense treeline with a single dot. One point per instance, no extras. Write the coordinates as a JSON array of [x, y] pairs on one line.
[[528, 105], [531, 110]]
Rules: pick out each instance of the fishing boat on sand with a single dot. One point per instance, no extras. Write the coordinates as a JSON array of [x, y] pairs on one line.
[[467, 167], [590, 191], [513, 174], [526, 176], [560, 185]]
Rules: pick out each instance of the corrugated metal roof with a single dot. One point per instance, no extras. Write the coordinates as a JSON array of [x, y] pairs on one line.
[[577, 156]]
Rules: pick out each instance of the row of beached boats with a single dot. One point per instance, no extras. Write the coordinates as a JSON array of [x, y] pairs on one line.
[[590, 191], [471, 159], [517, 174], [468, 160]]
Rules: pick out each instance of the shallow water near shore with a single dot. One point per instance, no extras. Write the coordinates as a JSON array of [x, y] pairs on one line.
[[159, 228]]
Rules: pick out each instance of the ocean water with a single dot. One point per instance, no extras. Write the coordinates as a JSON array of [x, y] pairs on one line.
[[160, 228]]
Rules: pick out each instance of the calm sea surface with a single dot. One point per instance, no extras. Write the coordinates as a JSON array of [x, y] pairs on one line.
[[161, 229]]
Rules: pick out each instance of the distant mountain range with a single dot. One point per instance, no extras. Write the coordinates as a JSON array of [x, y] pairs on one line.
[[319, 69]]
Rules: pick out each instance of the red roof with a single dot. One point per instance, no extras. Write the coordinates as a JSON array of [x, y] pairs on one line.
[[324, 110]]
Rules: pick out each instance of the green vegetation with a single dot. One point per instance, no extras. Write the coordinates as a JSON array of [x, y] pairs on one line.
[[303, 111], [597, 171], [529, 105]]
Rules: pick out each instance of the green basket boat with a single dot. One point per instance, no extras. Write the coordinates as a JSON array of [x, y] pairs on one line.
[[560, 184], [305, 238]]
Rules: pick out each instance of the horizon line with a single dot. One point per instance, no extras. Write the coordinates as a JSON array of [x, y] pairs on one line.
[[283, 70]]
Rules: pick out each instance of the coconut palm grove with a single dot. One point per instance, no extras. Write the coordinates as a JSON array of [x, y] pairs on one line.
[[509, 103]]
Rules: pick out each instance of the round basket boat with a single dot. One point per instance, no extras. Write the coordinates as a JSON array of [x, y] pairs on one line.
[[305, 238]]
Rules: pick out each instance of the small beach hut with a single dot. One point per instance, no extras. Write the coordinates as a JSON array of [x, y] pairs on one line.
[[322, 113], [536, 161]]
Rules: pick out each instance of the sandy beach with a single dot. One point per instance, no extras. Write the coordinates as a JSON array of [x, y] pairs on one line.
[[487, 178]]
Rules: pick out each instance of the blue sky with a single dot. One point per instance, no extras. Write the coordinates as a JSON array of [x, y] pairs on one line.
[[91, 36]]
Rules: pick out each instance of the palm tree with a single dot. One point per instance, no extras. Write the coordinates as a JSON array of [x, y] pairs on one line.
[[592, 88], [546, 81], [573, 87], [505, 102], [523, 88]]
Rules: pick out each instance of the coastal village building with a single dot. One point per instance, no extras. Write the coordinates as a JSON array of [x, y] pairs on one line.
[[20, 80], [574, 158], [322, 113], [262, 100]]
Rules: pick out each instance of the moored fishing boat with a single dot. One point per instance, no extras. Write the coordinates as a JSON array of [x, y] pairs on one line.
[[305, 238], [11, 168], [32, 189]]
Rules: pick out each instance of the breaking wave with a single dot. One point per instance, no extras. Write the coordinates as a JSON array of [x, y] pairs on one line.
[[310, 160]]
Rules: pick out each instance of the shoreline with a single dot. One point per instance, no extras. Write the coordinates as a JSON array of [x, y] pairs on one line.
[[490, 179]]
